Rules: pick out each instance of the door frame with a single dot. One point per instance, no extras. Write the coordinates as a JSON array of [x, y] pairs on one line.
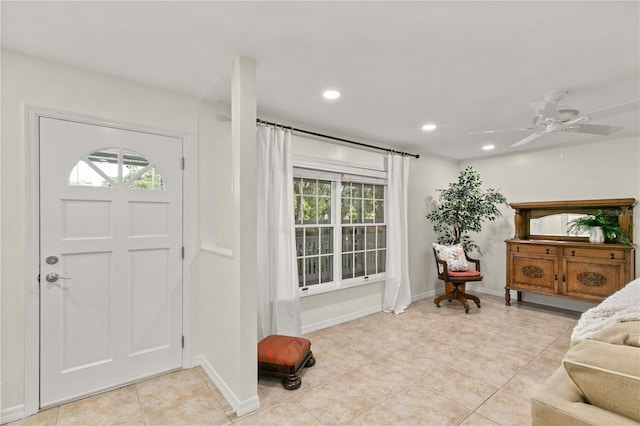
[[32, 114]]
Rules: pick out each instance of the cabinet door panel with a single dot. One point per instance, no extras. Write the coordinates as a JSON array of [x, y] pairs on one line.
[[538, 272], [592, 279]]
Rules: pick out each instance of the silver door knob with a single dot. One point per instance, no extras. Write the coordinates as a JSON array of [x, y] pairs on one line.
[[52, 277]]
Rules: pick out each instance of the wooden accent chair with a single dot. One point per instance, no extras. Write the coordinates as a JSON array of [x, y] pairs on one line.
[[454, 282]]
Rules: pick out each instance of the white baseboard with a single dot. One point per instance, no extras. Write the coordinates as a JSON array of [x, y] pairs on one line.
[[12, 414], [420, 296], [240, 407], [341, 319]]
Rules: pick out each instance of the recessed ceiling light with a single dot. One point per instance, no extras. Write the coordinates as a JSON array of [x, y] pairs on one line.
[[428, 127], [331, 94], [488, 147]]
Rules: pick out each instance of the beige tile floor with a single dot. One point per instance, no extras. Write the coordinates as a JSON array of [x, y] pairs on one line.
[[427, 366]]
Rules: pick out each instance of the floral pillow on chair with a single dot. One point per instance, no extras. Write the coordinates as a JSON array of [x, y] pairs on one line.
[[453, 255]]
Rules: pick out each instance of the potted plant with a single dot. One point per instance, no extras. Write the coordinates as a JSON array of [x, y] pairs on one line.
[[462, 208], [601, 227]]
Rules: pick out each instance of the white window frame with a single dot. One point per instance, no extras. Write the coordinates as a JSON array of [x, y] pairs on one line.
[[311, 168]]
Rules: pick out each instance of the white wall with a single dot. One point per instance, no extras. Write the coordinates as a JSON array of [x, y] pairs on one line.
[[28, 80], [608, 169]]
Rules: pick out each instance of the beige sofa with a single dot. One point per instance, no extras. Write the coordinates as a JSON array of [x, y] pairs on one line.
[[598, 382]]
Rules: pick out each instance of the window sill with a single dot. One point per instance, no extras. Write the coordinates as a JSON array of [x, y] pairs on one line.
[[342, 285]]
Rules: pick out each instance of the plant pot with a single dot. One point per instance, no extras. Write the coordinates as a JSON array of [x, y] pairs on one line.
[[596, 235]]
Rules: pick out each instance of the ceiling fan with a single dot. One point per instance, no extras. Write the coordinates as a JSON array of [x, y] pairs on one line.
[[552, 118]]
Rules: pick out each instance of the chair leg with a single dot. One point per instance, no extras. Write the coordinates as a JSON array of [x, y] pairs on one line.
[[461, 298], [448, 296], [476, 299]]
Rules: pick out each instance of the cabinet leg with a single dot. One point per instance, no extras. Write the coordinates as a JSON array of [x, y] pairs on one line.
[[507, 296]]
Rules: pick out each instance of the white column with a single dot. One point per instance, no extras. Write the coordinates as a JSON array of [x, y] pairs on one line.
[[243, 139]]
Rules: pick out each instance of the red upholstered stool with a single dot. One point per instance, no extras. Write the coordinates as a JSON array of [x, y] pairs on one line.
[[284, 356]]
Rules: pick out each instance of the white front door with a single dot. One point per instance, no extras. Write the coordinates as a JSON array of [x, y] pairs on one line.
[[111, 257]]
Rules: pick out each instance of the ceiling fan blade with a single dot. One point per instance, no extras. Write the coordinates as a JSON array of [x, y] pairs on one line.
[[615, 110], [483, 132], [597, 129], [530, 138], [577, 120]]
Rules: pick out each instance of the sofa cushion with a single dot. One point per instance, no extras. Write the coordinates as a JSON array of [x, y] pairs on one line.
[[453, 255], [622, 333], [608, 375]]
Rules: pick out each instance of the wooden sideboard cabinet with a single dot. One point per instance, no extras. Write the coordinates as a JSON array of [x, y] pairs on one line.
[[566, 266]]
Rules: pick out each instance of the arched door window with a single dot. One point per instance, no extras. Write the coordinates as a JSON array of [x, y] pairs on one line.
[[111, 167]]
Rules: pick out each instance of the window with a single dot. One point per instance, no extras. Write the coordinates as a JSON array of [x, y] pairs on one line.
[[340, 230], [112, 166]]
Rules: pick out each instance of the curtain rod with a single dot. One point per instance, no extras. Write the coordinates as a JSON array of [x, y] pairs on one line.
[[269, 123]]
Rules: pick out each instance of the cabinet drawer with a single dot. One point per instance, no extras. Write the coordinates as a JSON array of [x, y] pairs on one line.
[[594, 253], [533, 248]]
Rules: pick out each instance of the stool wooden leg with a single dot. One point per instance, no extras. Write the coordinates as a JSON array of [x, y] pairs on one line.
[[291, 382], [311, 362]]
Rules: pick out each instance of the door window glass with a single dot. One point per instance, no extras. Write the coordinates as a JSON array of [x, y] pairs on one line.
[[112, 166]]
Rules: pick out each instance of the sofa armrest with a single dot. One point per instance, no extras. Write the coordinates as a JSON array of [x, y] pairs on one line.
[[560, 402]]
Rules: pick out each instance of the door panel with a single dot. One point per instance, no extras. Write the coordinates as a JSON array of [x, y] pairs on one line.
[[111, 213]]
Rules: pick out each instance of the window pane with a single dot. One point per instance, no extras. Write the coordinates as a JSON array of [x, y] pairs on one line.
[[346, 211], [356, 191], [297, 186], [107, 161], [324, 210], [368, 191], [356, 211], [347, 266], [358, 260], [371, 262], [382, 236], [324, 188], [326, 269], [371, 237], [379, 211], [299, 242], [326, 240], [382, 260], [310, 210], [347, 238], [311, 272], [358, 238], [83, 175], [297, 209], [300, 273], [378, 192], [311, 242], [309, 187], [346, 190], [368, 213], [151, 179], [132, 164]]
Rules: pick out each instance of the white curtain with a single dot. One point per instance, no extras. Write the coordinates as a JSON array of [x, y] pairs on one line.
[[397, 290], [278, 304]]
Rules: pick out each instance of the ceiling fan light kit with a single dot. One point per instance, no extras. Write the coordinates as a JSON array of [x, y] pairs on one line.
[[552, 118]]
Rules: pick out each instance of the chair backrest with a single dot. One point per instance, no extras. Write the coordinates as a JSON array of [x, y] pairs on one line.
[[446, 275]]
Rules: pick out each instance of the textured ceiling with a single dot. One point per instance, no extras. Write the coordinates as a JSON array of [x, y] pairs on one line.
[[465, 66]]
